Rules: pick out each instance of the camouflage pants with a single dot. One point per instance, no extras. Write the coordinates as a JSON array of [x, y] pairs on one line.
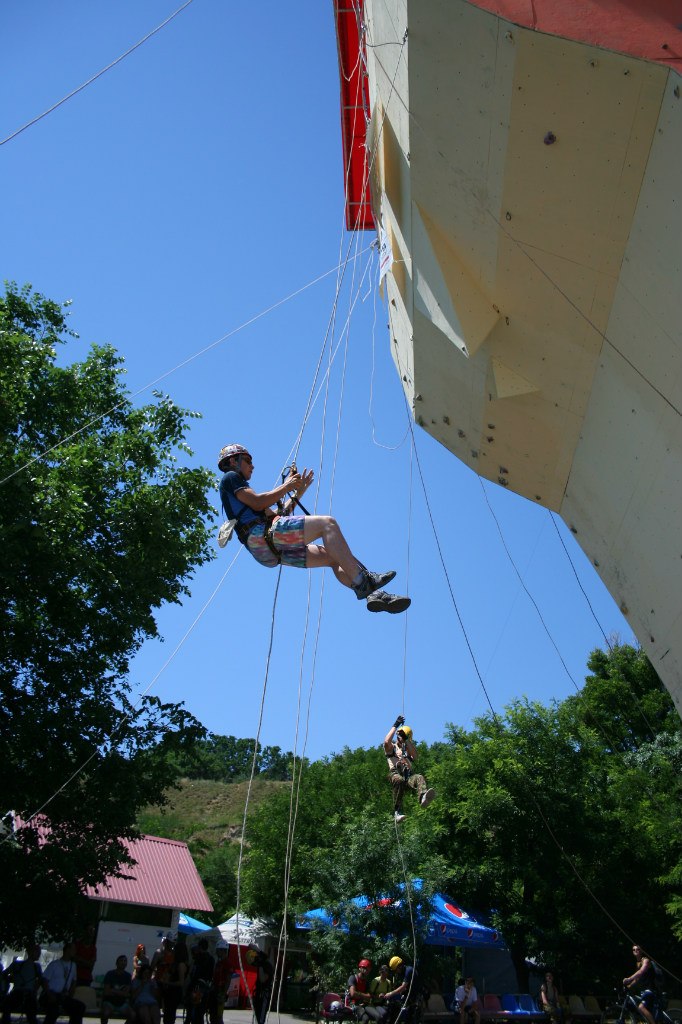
[[399, 785]]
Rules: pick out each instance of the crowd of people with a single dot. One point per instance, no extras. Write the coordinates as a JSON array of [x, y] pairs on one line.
[[392, 995], [152, 991]]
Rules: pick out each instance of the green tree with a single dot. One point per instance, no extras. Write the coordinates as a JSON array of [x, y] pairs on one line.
[[547, 823], [100, 525], [230, 759]]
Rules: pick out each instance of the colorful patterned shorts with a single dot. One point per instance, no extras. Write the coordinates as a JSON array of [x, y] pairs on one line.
[[287, 536]]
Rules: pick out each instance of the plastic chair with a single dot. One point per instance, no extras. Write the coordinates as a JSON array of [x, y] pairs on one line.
[[88, 996], [510, 1004], [492, 1008], [529, 1006], [577, 1009], [435, 1008], [339, 1012], [593, 1007]]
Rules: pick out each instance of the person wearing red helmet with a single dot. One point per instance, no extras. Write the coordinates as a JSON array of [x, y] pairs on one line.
[[286, 539], [358, 997], [401, 753]]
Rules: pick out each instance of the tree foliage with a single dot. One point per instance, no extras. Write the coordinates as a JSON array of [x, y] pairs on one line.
[[101, 523], [559, 823], [230, 759]]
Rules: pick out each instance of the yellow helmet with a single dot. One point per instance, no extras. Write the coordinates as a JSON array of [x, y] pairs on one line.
[[395, 962], [406, 731]]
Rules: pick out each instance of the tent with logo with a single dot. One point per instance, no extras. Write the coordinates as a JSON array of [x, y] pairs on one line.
[[447, 925]]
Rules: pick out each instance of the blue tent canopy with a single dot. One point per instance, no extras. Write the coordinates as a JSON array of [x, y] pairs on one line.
[[190, 926], [448, 924]]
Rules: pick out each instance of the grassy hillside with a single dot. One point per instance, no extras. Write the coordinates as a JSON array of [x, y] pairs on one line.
[[208, 816]]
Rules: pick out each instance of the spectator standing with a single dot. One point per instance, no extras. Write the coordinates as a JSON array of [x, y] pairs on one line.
[[85, 956], [60, 984], [220, 982], [26, 977], [200, 977], [116, 992], [170, 976], [140, 959], [264, 975]]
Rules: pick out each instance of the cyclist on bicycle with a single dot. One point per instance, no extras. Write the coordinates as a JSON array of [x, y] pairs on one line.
[[644, 979]]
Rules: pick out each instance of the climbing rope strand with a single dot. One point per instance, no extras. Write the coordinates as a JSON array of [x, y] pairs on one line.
[[368, 165], [409, 545], [320, 385], [525, 588], [296, 788], [341, 272], [608, 739], [295, 792], [127, 718], [530, 785], [254, 762], [379, 444], [219, 341], [608, 643], [531, 792], [93, 78]]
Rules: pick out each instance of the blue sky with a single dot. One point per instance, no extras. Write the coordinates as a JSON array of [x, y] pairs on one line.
[[194, 185]]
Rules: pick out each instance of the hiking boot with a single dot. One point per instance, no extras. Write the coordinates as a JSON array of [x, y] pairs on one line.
[[399, 816], [370, 582], [426, 797], [380, 601]]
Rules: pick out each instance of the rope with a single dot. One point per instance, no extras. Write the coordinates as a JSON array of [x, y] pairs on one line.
[[390, 448], [94, 78], [125, 719], [253, 772], [529, 782], [178, 366]]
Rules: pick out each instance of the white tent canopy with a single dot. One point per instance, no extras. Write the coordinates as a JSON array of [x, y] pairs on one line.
[[244, 931]]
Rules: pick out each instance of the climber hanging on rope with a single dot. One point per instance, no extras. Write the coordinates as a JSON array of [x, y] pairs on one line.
[[280, 537], [401, 753]]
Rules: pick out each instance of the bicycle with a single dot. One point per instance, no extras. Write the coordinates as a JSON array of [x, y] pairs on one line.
[[631, 1014]]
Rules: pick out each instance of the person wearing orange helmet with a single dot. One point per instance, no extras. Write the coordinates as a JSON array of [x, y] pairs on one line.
[[275, 538], [401, 753]]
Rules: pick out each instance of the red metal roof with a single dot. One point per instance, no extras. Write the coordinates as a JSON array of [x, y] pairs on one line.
[[164, 876], [354, 114], [645, 28]]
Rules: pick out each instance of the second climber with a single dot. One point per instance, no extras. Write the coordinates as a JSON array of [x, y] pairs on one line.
[[401, 753]]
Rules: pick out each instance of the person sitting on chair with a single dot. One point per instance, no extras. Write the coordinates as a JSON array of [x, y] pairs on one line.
[[358, 997], [549, 998], [466, 999], [116, 993], [60, 984], [26, 977]]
